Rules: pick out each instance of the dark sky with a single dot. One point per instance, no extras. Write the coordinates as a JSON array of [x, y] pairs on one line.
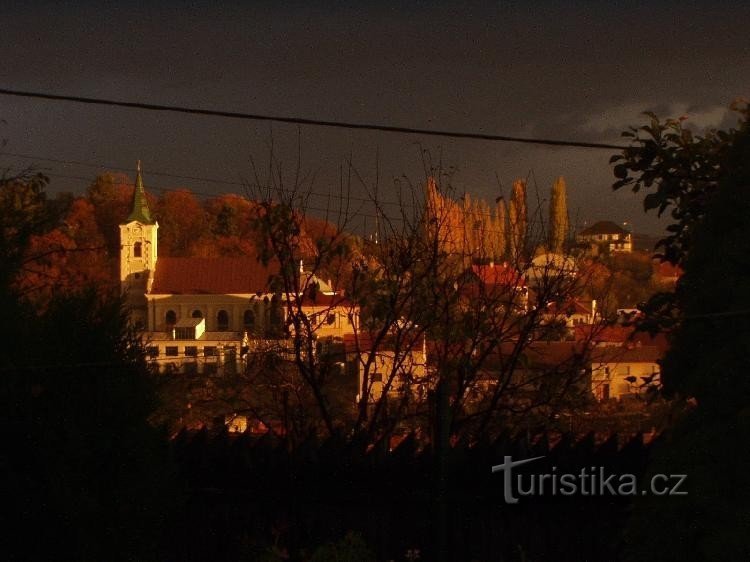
[[581, 71]]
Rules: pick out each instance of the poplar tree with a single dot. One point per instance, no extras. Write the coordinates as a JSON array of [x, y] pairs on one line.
[[518, 219], [558, 216], [498, 231]]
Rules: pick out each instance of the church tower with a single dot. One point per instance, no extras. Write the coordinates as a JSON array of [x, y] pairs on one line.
[[138, 252]]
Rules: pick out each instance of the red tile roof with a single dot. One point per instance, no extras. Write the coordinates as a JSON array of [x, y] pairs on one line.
[[606, 334], [623, 335], [503, 275], [569, 307], [211, 276], [637, 354]]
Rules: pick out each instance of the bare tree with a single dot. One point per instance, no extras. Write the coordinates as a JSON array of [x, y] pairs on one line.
[[428, 314]]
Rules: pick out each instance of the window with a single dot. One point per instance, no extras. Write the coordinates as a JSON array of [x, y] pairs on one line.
[[185, 333], [197, 314], [331, 319], [152, 351], [377, 377], [191, 351], [248, 320], [222, 321], [137, 250], [171, 350], [210, 368], [170, 318], [210, 351], [190, 368]]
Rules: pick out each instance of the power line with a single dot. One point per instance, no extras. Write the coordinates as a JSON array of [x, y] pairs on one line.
[[307, 121], [150, 172], [331, 211], [342, 197]]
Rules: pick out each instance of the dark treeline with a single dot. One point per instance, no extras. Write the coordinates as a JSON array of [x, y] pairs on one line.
[[251, 492]]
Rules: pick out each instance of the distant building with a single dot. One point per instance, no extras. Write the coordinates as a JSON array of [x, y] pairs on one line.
[[607, 237], [204, 314], [620, 372], [388, 367], [571, 313]]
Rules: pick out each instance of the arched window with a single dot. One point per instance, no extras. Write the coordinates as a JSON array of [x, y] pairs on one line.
[[248, 320], [170, 318], [222, 321], [137, 250], [197, 314]]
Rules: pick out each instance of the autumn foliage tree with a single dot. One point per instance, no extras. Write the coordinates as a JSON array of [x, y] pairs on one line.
[[182, 220], [558, 215], [517, 219]]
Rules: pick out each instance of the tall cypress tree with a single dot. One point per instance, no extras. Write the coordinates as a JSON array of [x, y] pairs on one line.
[[518, 219], [499, 231], [558, 216]]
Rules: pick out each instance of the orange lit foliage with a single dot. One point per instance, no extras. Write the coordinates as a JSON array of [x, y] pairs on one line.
[[82, 250], [467, 227], [182, 221], [227, 232], [111, 196], [67, 258]]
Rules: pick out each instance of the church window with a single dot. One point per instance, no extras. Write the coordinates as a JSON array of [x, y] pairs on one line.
[[197, 314], [137, 250], [222, 320], [170, 318], [248, 320]]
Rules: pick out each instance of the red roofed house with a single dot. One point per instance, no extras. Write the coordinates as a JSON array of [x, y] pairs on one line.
[[572, 313], [203, 311]]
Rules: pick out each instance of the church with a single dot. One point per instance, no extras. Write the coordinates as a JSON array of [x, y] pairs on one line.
[[203, 314]]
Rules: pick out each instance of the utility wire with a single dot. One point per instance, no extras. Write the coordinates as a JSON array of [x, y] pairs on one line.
[[150, 172], [307, 121], [357, 213]]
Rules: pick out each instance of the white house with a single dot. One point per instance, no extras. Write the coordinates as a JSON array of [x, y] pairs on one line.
[[618, 372], [608, 236]]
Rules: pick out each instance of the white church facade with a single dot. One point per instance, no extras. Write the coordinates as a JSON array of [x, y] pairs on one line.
[[204, 314]]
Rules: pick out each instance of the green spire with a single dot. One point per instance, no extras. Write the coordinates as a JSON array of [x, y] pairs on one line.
[[140, 212]]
